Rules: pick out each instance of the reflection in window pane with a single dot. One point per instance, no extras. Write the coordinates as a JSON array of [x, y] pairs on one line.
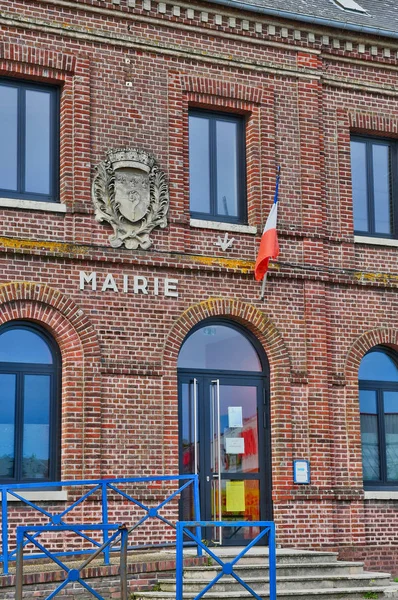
[[370, 448], [367, 401], [36, 427], [391, 427], [381, 185], [199, 164], [7, 424], [188, 430], [37, 142], [359, 186], [219, 347], [227, 169], [369, 435], [240, 501], [24, 346], [8, 137], [243, 399], [378, 366]]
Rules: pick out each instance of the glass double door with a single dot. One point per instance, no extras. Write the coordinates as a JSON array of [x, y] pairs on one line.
[[224, 438]]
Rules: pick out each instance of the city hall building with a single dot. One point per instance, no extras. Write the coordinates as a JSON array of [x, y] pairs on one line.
[[139, 147]]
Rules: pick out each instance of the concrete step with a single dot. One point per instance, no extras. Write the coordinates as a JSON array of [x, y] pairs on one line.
[[283, 570], [301, 574], [261, 584], [309, 594], [283, 556]]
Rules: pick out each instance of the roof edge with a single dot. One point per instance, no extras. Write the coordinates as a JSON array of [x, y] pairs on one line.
[[308, 19]]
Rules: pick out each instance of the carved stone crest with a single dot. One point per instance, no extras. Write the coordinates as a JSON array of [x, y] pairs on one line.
[[130, 192]]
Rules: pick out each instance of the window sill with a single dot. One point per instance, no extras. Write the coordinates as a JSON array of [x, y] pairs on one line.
[[220, 226], [382, 495], [372, 241], [43, 496], [32, 205]]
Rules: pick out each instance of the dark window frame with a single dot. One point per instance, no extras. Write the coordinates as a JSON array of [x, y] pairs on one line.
[[379, 387], [55, 372], [22, 86], [240, 120], [370, 201]]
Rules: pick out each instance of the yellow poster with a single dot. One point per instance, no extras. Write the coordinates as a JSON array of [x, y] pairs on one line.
[[235, 492]]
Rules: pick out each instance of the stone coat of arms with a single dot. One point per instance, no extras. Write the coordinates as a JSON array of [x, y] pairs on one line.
[[130, 193]]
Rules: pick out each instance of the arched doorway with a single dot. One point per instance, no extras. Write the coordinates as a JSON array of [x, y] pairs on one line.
[[225, 427]]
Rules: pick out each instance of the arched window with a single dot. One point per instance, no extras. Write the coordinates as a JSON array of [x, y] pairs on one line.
[[30, 371], [218, 346], [378, 394]]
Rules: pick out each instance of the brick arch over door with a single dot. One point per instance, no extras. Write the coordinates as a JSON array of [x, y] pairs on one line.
[[369, 339], [80, 352], [280, 374]]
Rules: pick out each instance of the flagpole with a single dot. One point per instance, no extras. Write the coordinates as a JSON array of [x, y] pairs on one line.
[[263, 287]]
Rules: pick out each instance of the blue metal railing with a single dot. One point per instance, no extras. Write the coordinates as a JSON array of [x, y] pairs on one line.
[[266, 527], [75, 574], [103, 487]]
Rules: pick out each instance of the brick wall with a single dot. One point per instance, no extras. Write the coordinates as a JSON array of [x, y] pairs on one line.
[[127, 77]]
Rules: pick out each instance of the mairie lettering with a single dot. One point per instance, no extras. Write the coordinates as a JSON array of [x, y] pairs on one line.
[[135, 284]]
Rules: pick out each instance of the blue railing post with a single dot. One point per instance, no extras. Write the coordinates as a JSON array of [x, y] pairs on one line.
[[272, 562], [197, 512], [265, 527], [179, 561], [4, 530], [104, 497]]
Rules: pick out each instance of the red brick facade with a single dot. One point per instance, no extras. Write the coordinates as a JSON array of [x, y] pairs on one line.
[[127, 77]]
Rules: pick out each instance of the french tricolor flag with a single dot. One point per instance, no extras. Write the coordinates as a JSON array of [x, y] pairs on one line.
[[269, 247]]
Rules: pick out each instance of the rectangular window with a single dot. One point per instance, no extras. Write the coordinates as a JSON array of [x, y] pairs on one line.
[[374, 186], [29, 144], [217, 166]]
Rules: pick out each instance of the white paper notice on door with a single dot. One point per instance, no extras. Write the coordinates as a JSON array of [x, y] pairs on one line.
[[235, 445], [235, 418]]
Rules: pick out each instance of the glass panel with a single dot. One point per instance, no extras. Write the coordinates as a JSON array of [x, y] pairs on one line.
[[188, 448], [359, 186], [219, 347], [378, 366], [36, 427], [367, 402], [240, 501], [391, 426], [369, 435], [7, 424], [227, 168], [37, 142], [8, 137], [239, 429], [24, 346], [188, 429], [199, 164], [381, 185]]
